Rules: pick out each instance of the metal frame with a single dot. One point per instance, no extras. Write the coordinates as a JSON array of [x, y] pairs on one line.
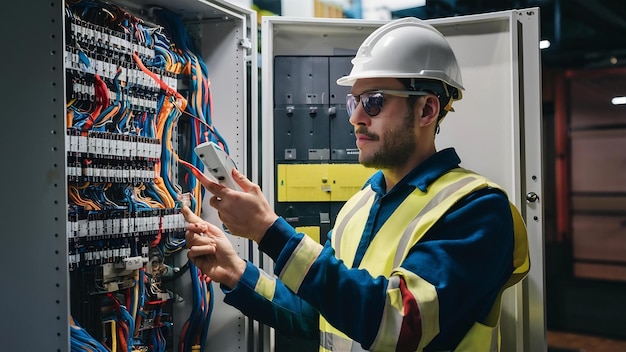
[[533, 288], [35, 253]]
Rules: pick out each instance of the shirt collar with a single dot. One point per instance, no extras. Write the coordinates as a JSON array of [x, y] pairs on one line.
[[423, 174]]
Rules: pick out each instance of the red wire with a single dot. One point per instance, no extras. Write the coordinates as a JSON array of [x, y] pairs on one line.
[[158, 237], [168, 90], [102, 101], [121, 325], [122, 336]]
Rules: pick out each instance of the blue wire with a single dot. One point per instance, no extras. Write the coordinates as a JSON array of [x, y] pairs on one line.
[[81, 341], [128, 319], [207, 320], [192, 327]]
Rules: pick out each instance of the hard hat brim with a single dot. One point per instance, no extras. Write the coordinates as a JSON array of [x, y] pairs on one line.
[[349, 80]]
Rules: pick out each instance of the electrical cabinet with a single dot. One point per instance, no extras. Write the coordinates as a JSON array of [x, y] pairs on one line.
[[495, 128], [44, 74], [314, 152]]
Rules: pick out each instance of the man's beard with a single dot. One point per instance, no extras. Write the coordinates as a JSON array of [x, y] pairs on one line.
[[398, 144]]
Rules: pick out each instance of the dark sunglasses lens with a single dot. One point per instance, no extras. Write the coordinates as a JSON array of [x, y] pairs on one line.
[[372, 103]]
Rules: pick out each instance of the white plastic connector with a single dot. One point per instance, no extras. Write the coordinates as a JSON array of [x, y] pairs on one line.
[[218, 163], [133, 263]]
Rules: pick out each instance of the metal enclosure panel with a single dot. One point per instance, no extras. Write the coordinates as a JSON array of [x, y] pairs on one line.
[[589, 106], [302, 80], [495, 129], [342, 140], [598, 155], [34, 252], [339, 66], [529, 100], [38, 294], [300, 131], [599, 246], [307, 214], [599, 238], [301, 93]]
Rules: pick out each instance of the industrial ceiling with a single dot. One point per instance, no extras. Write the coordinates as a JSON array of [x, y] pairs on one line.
[[582, 33]]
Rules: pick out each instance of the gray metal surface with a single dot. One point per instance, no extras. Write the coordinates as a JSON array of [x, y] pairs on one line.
[[530, 99], [341, 131], [33, 254], [300, 130]]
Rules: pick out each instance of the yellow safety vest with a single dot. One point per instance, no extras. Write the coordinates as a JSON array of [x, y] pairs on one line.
[[404, 228]]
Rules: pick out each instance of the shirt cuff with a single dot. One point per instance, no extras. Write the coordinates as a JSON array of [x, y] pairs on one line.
[[276, 238], [247, 281]]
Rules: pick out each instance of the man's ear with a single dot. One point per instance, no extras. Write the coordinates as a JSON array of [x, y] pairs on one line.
[[430, 112]]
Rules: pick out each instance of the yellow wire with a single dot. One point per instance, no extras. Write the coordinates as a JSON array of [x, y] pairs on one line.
[[74, 195], [138, 193], [197, 98], [163, 192], [113, 334], [108, 116], [135, 298], [198, 196], [69, 118]]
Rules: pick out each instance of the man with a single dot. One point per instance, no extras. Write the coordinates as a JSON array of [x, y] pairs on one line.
[[418, 259]]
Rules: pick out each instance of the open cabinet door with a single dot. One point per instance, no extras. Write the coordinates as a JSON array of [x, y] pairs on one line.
[[495, 129], [497, 132]]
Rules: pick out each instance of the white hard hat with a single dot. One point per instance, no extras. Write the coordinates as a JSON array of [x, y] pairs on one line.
[[405, 48]]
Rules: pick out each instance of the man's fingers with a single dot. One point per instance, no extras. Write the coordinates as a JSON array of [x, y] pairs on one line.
[[197, 227], [196, 239], [189, 215], [211, 186], [242, 180], [198, 251]]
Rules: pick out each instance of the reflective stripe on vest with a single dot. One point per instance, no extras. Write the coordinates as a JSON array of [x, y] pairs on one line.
[[388, 250], [332, 342]]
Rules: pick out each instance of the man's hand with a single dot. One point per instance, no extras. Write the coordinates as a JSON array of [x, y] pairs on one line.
[[246, 213], [211, 251]]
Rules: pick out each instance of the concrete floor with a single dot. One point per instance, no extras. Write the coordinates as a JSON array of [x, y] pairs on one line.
[[583, 343]]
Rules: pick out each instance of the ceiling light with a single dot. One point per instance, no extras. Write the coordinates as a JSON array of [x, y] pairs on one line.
[[544, 44], [618, 100]]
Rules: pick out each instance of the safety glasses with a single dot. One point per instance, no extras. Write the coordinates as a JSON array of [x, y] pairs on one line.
[[373, 100]]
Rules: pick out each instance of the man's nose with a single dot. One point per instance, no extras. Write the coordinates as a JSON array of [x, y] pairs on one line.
[[359, 116]]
